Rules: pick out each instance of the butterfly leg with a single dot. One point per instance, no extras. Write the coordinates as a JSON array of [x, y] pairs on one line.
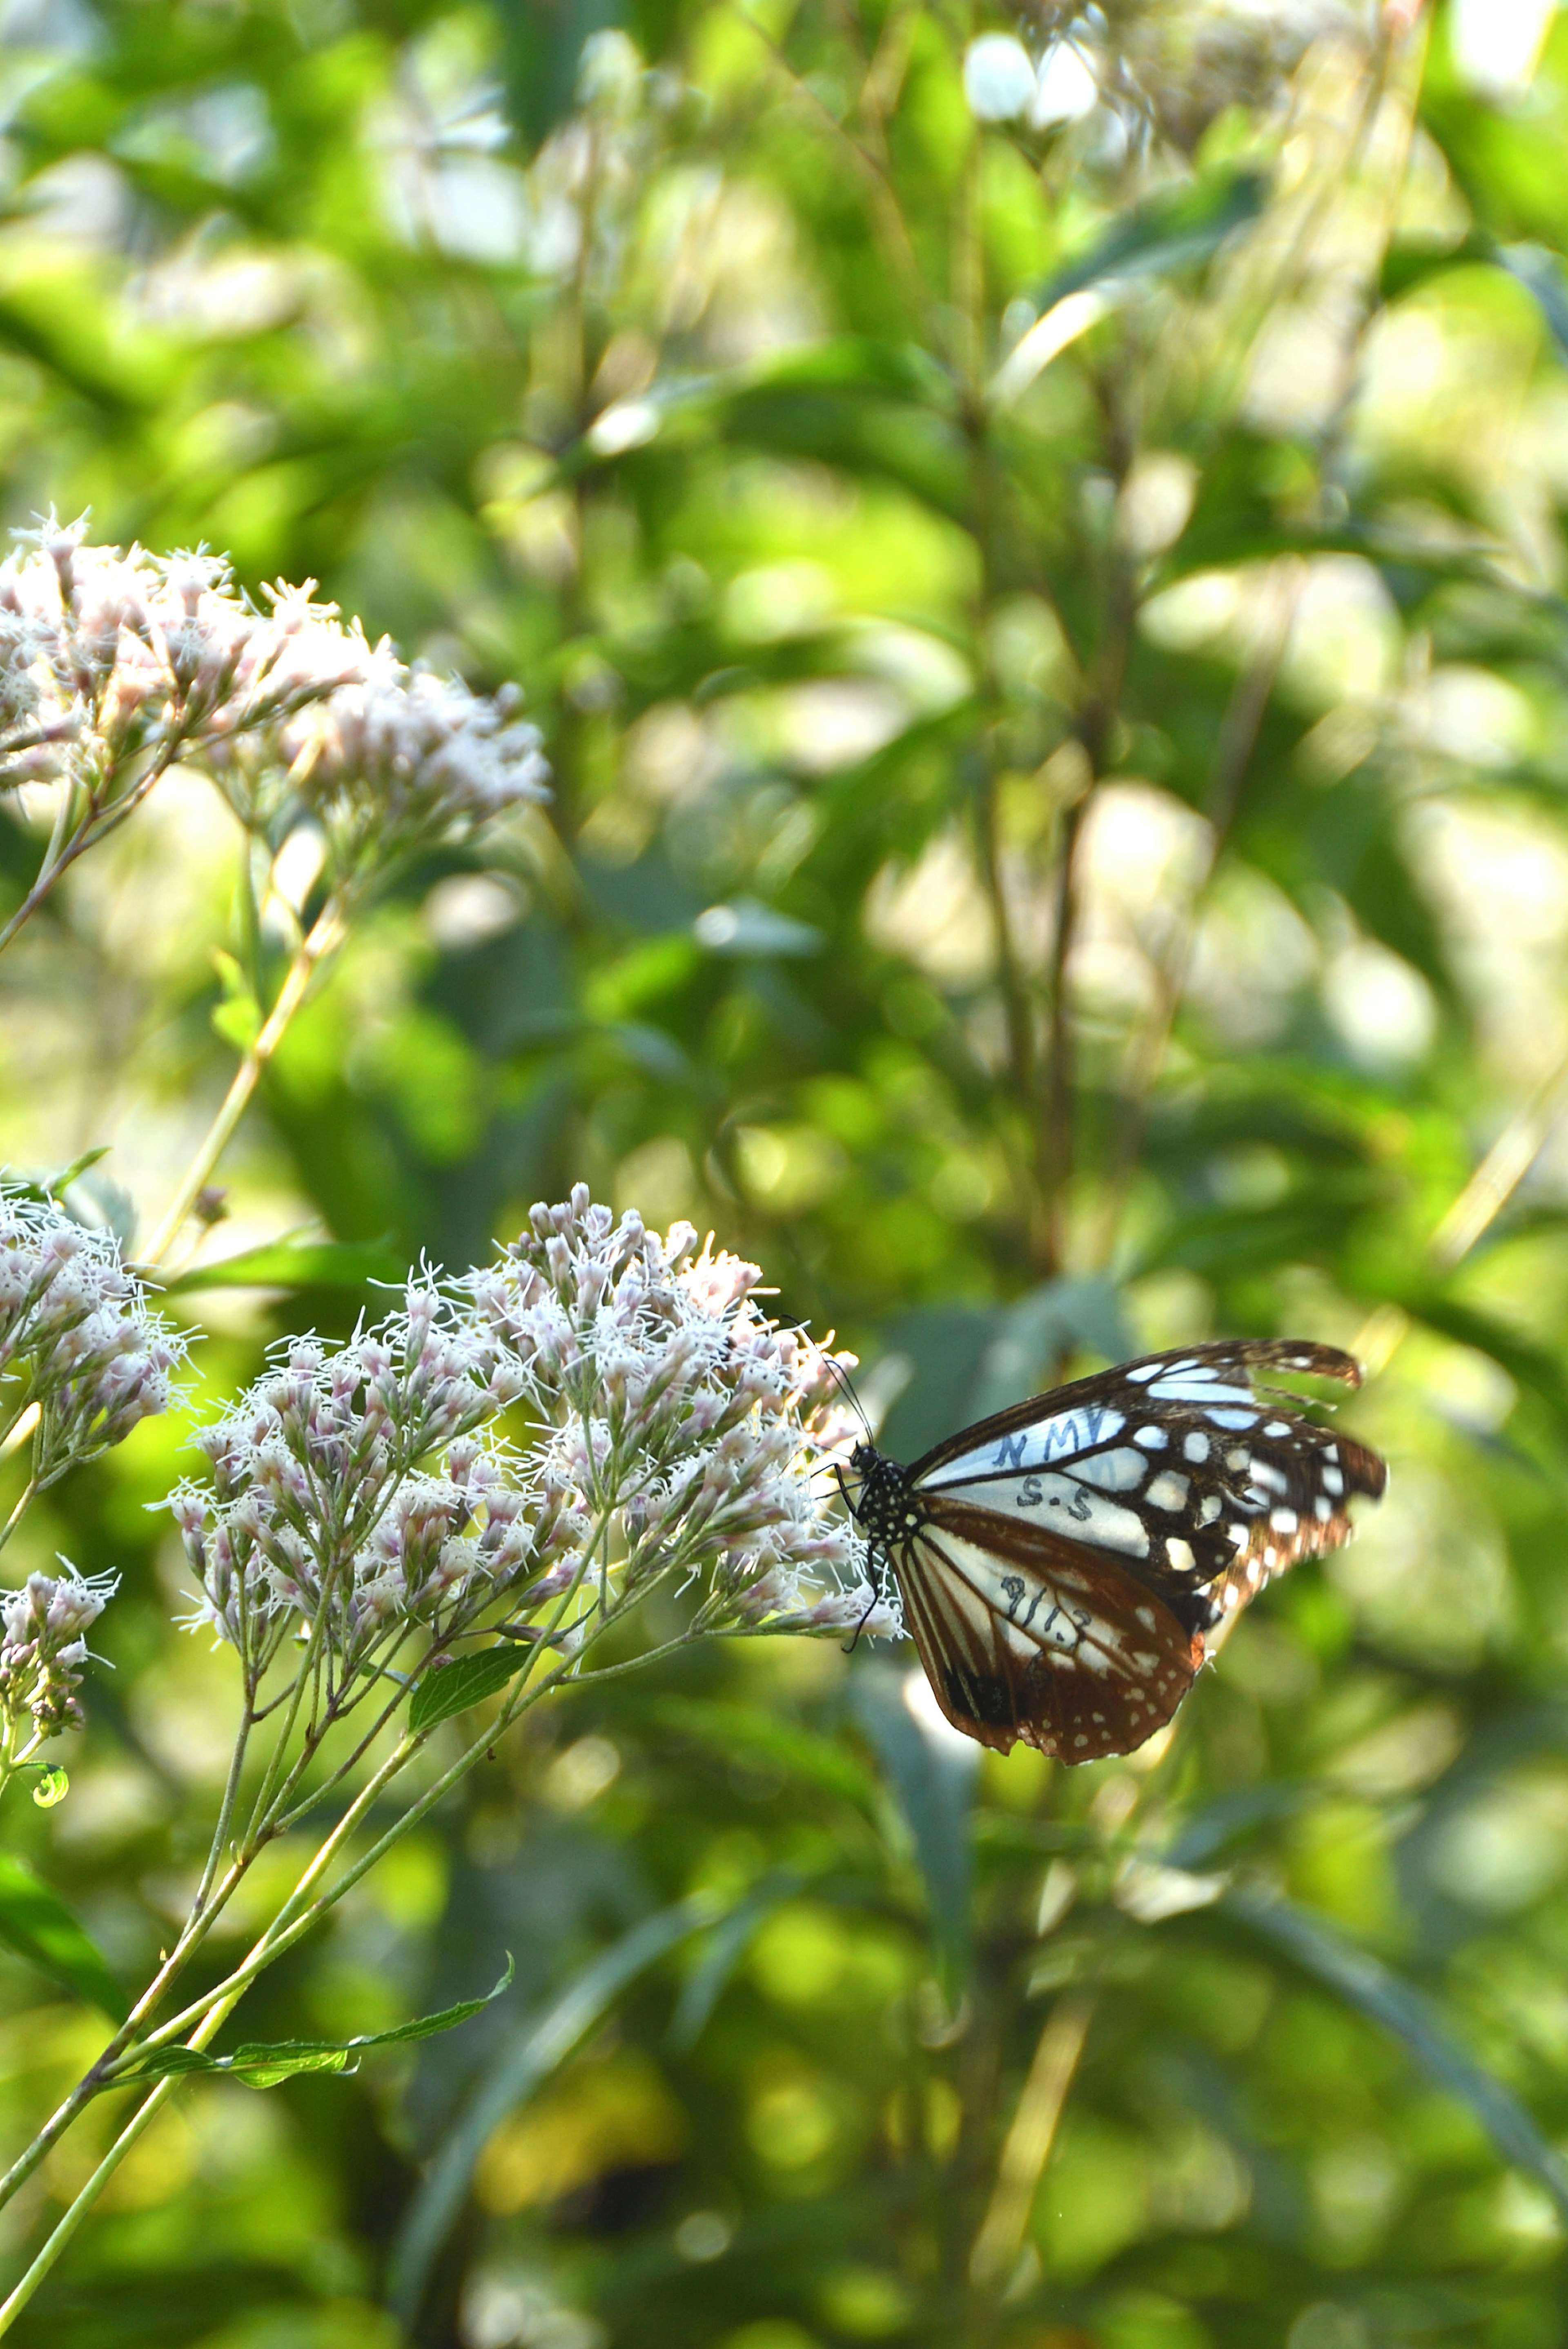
[[878, 1583]]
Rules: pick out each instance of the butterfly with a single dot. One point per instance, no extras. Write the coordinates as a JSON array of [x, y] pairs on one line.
[[1063, 1564]]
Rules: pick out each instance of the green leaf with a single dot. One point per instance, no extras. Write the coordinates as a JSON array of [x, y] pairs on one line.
[[933, 1784], [46, 1190], [1055, 1320], [263, 2064], [53, 1786], [1365, 1982], [1163, 234], [36, 1924], [446, 1689], [295, 1264], [238, 1017], [701, 1990], [1530, 1365], [541, 2043], [1542, 273]]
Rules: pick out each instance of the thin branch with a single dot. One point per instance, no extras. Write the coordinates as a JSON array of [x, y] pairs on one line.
[[1027, 2148]]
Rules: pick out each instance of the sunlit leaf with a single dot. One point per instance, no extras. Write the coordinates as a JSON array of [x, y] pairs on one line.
[[1167, 232], [448, 1688], [264, 2065], [293, 1264]]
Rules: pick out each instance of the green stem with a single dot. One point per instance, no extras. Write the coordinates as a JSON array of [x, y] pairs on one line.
[[19, 1512], [327, 934]]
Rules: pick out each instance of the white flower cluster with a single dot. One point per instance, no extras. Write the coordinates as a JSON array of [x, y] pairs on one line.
[[678, 1432], [325, 1504], [114, 663], [106, 656], [705, 1431], [406, 756], [42, 1651], [77, 1337]]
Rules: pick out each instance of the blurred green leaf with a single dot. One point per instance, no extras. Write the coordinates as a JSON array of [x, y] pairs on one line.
[[541, 2042], [1167, 232], [294, 1263], [931, 1778], [748, 1732], [1366, 1983], [726, 1945], [35, 1922]]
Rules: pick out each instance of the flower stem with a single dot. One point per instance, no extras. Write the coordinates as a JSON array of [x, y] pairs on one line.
[[326, 936]]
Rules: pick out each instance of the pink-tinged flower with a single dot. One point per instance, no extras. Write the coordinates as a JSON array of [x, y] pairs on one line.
[[76, 1336], [42, 1651]]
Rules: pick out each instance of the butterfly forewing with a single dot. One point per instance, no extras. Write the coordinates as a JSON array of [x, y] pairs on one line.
[[1128, 1514], [1174, 1463]]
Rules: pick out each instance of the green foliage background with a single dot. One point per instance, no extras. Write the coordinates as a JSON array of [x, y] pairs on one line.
[[1052, 862]]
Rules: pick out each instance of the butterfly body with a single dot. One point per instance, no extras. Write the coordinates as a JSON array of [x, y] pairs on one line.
[[1063, 1564]]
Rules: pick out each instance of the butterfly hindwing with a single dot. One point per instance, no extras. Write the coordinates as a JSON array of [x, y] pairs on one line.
[[1039, 1639]]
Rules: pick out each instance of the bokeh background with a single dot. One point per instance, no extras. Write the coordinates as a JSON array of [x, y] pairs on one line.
[[1037, 548]]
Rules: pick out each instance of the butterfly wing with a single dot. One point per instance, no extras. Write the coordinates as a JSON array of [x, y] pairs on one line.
[[1202, 1487], [1063, 1563], [1026, 1634]]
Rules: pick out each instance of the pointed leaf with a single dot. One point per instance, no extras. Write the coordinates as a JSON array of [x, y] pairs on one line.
[[36, 1924], [1164, 233], [726, 1947], [932, 1786], [263, 2064], [452, 1688]]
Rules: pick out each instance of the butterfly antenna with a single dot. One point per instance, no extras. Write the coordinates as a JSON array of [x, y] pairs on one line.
[[847, 1386]]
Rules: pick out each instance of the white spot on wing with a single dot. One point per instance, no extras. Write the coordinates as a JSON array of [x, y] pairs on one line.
[[1195, 1444], [1121, 1471], [1169, 1490]]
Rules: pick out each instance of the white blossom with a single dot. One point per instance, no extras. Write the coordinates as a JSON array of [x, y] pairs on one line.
[[77, 1337], [42, 1651], [107, 657], [116, 662], [677, 1433], [696, 1428], [347, 1488]]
